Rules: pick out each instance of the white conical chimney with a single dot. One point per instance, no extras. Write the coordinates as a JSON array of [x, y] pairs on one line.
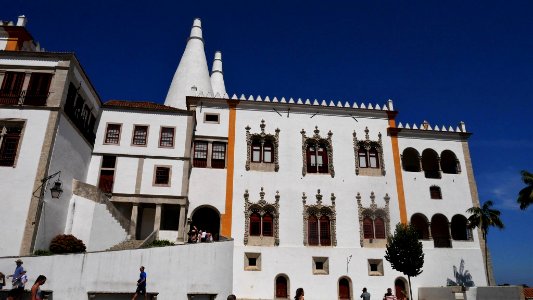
[[192, 71], [217, 76]]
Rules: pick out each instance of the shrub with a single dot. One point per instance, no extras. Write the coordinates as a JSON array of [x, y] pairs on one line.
[[42, 252], [66, 243], [160, 243]]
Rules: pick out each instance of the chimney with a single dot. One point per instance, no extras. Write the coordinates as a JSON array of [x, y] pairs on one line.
[[22, 21]]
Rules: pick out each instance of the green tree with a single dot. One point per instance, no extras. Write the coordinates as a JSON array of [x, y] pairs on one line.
[[483, 218], [525, 196], [404, 252]]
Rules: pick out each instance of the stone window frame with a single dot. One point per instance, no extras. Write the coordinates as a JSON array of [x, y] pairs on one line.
[[262, 137], [247, 266], [325, 265], [435, 192], [368, 144], [161, 128], [135, 127], [211, 114], [288, 287], [315, 140], [107, 133], [373, 212], [169, 183], [380, 271], [318, 210], [261, 207]]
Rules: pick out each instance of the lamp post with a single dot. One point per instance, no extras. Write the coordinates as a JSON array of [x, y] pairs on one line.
[[55, 191]]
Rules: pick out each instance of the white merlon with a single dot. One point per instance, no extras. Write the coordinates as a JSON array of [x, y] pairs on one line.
[[414, 126], [370, 106], [22, 21], [390, 105], [258, 98], [307, 101], [315, 102], [355, 105], [323, 103], [362, 106], [378, 107], [407, 126], [283, 100], [275, 99], [400, 125], [267, 99], [234, 97], [291, 100], [242, 97], [251, 98], [299, 101], [217, 76], [192, 70]]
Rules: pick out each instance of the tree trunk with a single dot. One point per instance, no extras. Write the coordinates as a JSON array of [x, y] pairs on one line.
[[486, 260], [410, 290]]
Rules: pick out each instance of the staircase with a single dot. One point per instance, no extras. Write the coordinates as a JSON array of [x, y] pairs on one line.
[[127, 245]]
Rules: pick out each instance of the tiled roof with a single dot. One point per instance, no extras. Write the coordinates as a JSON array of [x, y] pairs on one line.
[[528, 293], [141, 105]]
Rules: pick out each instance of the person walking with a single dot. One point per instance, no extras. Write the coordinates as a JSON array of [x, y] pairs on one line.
[[17, 292], [299, 294], [36, 293], [141, 284], [365, 295], [389, 295]]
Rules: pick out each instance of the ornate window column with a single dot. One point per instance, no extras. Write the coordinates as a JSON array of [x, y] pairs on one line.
[[318, 211], [365, 162], [262, 141], [316, 141], [374, 213], [262, 208]]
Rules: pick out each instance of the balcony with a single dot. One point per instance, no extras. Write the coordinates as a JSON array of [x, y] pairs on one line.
[[23, 98]]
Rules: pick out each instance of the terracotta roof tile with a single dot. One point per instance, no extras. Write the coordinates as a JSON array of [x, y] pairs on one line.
[[141, 105], [528, 293]]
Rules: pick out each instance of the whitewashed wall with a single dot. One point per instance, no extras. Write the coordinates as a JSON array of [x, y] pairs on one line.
[[95, 225], [17, 192], [172, 271], [71, 155]]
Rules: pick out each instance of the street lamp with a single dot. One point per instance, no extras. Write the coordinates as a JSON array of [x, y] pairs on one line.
[[56, 190]]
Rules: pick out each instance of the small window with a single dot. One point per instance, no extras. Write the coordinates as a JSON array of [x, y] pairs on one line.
[[162, 176], [375, 267], [9, 144], [140, 135], [252, 261], [218, 160], [112, 135], [167, 137], [320, 265], [200, 154], [211, 118], [435, 192]]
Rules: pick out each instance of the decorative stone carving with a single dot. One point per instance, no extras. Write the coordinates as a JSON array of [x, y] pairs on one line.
[[367, 144], [316, 139], [373, 212], [261, 207], [262, 137], [319, 210]]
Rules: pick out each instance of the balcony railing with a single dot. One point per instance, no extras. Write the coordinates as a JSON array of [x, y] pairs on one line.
[[23, 98]]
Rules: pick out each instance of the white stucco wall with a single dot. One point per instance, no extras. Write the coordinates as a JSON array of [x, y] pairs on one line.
[[71, 155], [17, 192], [172, 271]]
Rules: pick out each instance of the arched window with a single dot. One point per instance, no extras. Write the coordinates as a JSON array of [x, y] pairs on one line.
[[317, 159], [440, 231], [344, 289], [255, 224], [312, 231], [430, 164], [460, 231], [281, 287], [449, 162], [373, 157], [368, 228], [256, 151], [379, 227], [268, 152], [411, 160], [434, 192], [268, 226], [325, 234], [363, 158], [420, 222]]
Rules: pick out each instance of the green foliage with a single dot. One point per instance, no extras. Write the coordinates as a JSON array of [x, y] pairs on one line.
[[42, 252], [525, 196], [404, 251], [484, 217], [160, 243], [66, 243]]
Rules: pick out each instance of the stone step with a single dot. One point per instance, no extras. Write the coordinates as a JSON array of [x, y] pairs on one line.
[[127, 245]]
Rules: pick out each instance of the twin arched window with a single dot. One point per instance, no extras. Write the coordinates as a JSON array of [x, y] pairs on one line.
[[319, 231], [373, 229], [317, 158], [261, 225], [262, 151]]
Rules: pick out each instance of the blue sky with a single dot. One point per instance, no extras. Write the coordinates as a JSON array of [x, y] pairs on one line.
[[444, 62]]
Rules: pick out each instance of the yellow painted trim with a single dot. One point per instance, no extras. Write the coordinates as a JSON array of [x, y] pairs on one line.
[[398, 171], [12, 44], [226, 218]]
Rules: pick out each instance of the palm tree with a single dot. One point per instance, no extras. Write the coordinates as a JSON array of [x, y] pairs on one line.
[[525, 196], [483, 218]]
